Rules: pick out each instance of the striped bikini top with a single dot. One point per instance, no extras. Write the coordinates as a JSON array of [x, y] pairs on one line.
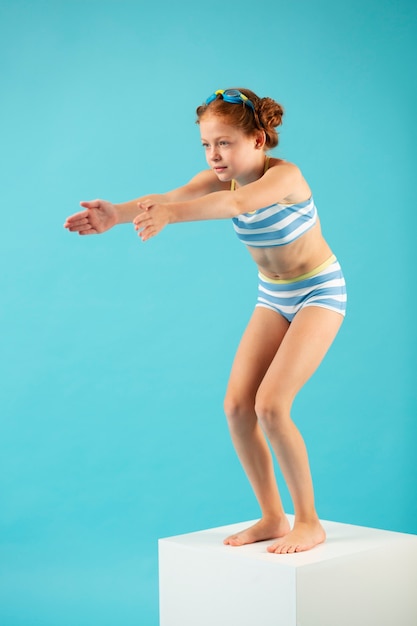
[[275, 225]]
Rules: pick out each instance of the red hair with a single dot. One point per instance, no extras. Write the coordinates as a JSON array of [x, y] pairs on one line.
[[266, 116]]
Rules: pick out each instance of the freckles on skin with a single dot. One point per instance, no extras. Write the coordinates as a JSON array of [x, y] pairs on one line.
[[226, 145], [215, 133]]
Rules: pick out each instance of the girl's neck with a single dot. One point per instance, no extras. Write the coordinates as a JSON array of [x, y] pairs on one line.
[[235, 184]]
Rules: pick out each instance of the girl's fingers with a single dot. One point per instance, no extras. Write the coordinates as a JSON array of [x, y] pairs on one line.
[[74, 219], [73, 225], [142, 220], [146, 233], [91, 204]]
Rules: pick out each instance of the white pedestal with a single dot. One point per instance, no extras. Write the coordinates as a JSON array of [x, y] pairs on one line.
[[359, 577]]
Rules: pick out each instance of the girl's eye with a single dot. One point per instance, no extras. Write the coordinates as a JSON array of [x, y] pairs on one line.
[[205, 145], [223, 143]]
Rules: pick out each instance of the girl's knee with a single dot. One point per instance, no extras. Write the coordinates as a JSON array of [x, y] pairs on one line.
[[237, 409], [272, 412], [234, 408]]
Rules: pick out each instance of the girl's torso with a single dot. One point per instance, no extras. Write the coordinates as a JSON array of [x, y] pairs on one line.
[[293, 259], [284, 239]]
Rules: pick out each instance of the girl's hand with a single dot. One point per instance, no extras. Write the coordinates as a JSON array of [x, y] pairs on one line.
[[151, 220], [98, 217]]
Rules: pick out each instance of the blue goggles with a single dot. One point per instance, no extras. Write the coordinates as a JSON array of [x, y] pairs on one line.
[[231, 95]]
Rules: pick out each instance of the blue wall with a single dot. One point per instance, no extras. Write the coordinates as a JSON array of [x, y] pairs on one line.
[[115, 354]]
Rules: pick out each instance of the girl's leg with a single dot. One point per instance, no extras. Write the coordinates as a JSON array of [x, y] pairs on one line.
[[256, 351], [301, 351]]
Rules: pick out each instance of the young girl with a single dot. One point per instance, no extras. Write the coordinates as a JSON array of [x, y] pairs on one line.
[[301, 298]]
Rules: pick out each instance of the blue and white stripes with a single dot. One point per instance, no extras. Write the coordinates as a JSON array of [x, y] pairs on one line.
[[323, 287], [275, 225]]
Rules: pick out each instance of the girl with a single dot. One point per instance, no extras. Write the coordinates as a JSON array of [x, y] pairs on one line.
[[301, 298]]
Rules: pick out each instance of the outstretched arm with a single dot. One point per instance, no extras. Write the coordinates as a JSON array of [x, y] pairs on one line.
[[101, 215], [280, 183]]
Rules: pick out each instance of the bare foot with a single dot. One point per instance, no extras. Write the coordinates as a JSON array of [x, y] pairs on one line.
[[304, 536], [261, 531]]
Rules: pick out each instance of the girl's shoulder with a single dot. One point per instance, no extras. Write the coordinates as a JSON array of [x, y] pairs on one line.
[[298, 188], [282, 164]]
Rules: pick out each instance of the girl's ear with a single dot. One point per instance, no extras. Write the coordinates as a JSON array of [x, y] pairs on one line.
[[260, 139]]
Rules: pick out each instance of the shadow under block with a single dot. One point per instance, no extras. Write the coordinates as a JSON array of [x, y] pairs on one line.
[[359, 577]]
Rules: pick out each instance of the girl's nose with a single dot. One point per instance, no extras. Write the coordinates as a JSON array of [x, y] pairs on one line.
[[214, 154]]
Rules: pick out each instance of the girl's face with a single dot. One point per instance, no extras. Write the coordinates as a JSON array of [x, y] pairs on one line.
[[230, 153]]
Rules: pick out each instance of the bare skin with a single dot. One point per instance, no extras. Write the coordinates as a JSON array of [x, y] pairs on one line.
[[303, 537], [261, 531], [273, 361], [275, 358]]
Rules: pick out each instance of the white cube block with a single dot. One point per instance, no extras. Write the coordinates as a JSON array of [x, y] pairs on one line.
[[359, 577]]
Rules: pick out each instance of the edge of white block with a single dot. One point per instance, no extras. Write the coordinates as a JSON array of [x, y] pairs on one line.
[[342, 540]]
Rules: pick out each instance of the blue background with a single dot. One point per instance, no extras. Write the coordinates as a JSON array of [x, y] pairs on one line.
[[115, 354]]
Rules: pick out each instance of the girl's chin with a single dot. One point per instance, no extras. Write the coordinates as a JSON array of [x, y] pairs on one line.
[[223, 174]]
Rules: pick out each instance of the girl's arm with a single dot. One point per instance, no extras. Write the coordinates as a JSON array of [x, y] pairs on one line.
[[278, 184], [202, 184], [101, 215]]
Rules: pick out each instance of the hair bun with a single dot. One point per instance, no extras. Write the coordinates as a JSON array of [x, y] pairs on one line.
[[270, 113]]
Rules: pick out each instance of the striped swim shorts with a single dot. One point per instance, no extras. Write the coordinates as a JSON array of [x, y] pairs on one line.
[[323, 287]]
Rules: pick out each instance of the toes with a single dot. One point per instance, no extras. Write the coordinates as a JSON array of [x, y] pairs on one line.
[[292, 549], [284, 548], [276, 548], [236, 542], [232, 541], [280, 550]]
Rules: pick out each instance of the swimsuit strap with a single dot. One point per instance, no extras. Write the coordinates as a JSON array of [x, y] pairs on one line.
[[266, 167]]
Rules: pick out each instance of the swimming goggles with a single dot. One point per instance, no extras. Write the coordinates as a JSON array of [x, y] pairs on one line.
[[231, 95]]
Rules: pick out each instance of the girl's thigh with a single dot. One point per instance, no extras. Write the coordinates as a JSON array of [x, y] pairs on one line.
[[300, 352], [257, 349]]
